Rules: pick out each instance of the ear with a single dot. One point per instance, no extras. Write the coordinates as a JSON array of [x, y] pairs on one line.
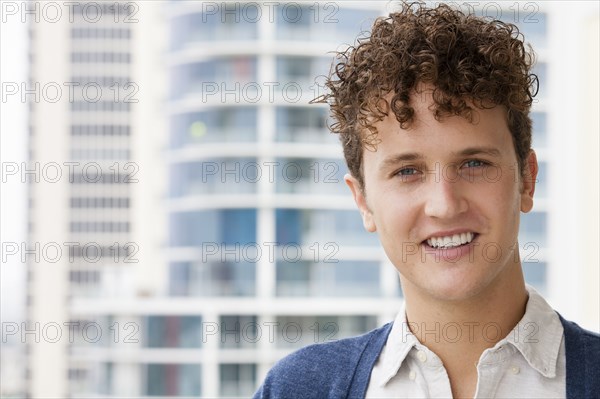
[[361, 202], [529, 179]]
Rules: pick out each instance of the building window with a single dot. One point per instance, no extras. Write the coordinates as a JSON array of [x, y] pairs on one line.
[[221, 73], [91, 331], [85, 277], [540, 130], [101, 80], [77, 374], [333, 23], [99, 202], [172, 379], [100, 153], [299, 331], [213, 278], [535, 274], [216, 176], [328, 279], [95, 251], [533, 230], [108, 9], [231, 124], [239, 331], [94, 176], [541, 187], [201, 228], [205, 27], [100, 106], [101, 33], [300, 124], [237, 380], [318, 176], [308, 227], [103, 57], [99, 227], [541, 70], [302, 70], [100, 130], [173, 331]]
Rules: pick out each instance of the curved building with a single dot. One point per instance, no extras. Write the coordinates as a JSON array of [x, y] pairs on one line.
[[263, 231]]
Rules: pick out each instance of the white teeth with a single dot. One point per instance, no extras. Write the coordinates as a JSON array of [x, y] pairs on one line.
[[450, 241]]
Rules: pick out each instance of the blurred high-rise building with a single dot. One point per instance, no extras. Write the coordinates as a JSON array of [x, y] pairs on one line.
[[94, 215], [240, 240]]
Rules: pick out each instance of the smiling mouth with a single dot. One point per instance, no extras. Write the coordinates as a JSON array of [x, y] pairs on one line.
[[447, 242]]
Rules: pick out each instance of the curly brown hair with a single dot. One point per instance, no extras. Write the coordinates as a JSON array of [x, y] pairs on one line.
[[468, 60]]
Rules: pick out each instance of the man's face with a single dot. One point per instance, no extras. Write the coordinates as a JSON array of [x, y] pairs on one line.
[[453, 179]]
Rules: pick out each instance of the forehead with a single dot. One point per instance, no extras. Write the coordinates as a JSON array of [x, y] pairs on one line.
[[448, 136]]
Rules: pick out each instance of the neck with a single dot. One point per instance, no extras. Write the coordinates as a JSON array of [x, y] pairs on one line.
[[463, 329]]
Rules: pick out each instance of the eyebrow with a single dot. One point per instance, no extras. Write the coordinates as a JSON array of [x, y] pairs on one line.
[[413, 156]]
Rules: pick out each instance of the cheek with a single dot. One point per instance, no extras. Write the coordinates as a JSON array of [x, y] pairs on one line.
[[395, 219], [505, 204]]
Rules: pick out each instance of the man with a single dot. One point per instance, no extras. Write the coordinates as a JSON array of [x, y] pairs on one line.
[[433, 114]]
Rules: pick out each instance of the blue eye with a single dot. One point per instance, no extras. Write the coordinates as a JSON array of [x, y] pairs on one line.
[[407, 172], [474, 163]]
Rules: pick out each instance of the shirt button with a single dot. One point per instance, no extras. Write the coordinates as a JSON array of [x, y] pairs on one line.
[[514, 370], [422, 356], [412, 375]]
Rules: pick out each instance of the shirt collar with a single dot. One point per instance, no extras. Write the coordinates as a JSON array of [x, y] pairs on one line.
[[538, 335], [400, 341]]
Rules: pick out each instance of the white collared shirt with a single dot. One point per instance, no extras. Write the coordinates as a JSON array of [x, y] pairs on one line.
[[528, 363]]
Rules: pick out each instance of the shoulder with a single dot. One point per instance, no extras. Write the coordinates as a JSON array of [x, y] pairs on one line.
[[578, 337], [582, 350], [325, 369]]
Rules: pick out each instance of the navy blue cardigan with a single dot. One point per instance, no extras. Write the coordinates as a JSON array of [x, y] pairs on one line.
[[342, 369]]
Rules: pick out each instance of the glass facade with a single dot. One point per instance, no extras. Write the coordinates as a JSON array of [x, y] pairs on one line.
[[317, 176], [540, 69], [533, 229], [298, 331], [237, 380], [307, 72], [208, 76], [212, 278], [84, 379], [308, 227], [198, 29], [329, 278], [239, 332], [213, 247], [321, 22], [173, 331], [94, 331], [224, 125], [164, 379], [535, 273], [210, 176], [219, 226], [302, 125], [540, 132]]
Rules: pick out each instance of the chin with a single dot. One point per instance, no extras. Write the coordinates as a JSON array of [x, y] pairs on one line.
[[453, 294], [451, 289]]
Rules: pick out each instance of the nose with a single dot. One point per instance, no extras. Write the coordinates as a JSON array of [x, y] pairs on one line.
[[445, 199]]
